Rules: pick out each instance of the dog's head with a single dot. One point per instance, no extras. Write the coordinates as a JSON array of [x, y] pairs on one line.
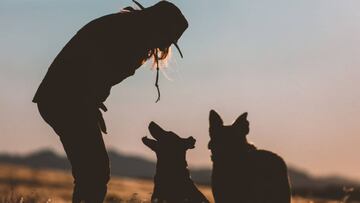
[[167, 144], [228, 138]]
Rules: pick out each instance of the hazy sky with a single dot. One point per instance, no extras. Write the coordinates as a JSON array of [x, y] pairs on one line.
[[293, 65]]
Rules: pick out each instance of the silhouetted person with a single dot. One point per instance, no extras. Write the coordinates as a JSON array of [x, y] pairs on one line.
[[172, 180], [242, 173], [101, 54]]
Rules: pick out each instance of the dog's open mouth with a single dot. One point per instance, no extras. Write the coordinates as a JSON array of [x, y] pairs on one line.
[[148, 139]]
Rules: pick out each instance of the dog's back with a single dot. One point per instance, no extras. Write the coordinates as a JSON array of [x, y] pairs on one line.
[[259, 177], [242, 173]]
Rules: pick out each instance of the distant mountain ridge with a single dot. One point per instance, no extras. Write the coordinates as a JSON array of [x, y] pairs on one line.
[[138, 167]]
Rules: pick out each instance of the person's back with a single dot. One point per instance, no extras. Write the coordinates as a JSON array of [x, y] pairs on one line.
[[93, 60]]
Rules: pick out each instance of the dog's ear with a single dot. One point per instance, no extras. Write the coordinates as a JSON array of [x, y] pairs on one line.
[[189, 143], [242, 124], [152, 144], [215, 119], [241, 119]]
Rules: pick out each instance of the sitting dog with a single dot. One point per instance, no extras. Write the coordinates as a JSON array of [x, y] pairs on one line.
[[172, 180], [241, 173]]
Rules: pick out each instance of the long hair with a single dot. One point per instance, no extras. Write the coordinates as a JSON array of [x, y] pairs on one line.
[[160, 56]]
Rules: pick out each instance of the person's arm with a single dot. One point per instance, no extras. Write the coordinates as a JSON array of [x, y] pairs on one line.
[[115, 54]]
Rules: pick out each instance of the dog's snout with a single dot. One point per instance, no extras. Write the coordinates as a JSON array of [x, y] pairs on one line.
[[152, 124]]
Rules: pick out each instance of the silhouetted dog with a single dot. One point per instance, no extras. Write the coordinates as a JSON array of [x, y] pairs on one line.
[[242, 173], [172, 180]]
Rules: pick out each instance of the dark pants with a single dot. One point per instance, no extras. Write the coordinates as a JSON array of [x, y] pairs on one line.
[[79, 132]]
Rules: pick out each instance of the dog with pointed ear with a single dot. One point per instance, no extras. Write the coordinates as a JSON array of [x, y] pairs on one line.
[[172, 182], [241, 172], [235, 134]]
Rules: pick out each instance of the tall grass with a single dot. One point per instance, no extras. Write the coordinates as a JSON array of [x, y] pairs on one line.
[[25, 185]]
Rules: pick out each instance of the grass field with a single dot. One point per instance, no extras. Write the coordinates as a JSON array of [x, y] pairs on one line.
[[25, 185]]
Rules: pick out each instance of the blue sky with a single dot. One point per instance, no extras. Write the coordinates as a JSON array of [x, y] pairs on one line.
[[293, 65]]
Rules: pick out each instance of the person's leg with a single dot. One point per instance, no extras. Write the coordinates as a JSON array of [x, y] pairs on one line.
[[82, 140], [90, 164]]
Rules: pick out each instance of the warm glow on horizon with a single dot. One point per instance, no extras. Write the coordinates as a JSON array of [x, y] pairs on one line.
[[293, 65]]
